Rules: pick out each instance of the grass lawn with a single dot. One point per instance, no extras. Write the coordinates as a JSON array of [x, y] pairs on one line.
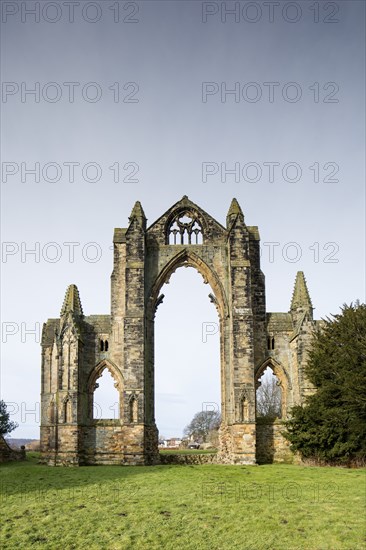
[[274, 507]]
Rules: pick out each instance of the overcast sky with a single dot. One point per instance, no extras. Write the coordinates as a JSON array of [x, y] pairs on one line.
[[173, 96]]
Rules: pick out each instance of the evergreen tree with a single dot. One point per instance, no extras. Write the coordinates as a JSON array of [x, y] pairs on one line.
[[6, 425], [331, 426]]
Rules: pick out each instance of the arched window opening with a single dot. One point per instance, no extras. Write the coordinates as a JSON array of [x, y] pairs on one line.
[[269, 396], [185, 229], [244, 409], [270, 343], [133, 409], [106, 398], [51, 412], [66, 413], [273, 343], [104, 345], [187, 359]]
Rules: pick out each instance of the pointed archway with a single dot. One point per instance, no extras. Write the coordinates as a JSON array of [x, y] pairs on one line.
[[187, 353], [92, 386], [76, 349], [283, 378]]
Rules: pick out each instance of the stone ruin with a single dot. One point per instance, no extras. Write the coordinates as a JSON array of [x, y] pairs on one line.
[[77, 348]]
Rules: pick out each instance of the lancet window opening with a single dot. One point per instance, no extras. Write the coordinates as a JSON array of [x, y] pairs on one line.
[[104, 345]]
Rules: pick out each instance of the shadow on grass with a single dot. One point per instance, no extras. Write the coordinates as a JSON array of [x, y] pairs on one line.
[[30, 480]]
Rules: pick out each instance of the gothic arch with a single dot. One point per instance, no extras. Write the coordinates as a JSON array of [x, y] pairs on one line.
[[284, 380], [66, 414], [244, 406], [52, 411], [188, 258], [228, 259], [92, 383], [133, 408]]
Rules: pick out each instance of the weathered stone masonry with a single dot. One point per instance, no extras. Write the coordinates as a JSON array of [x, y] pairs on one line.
[[76, 348]]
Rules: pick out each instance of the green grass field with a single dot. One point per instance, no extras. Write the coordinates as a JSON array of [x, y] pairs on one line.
[[276, 507], [188, 451]]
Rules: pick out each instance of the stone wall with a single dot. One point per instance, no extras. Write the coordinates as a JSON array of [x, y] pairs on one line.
[[7, 454], [207, 458], [76, 349], [272, 447]]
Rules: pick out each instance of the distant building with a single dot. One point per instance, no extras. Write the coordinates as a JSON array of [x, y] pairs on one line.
[[174, 442]]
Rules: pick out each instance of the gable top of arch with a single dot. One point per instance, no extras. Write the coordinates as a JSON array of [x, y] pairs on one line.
[[185, 205], [211, 227]]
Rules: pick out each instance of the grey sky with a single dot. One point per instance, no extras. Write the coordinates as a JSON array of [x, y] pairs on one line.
[[168, 133]]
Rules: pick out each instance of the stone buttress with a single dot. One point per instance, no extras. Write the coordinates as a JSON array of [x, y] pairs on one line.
[[76, 349]]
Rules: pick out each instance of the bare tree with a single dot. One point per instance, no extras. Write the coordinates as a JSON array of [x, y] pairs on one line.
[[269, 397], [202, 424]]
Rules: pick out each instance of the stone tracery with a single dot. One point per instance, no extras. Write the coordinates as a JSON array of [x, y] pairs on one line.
[[77, 348], [185, 228]]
